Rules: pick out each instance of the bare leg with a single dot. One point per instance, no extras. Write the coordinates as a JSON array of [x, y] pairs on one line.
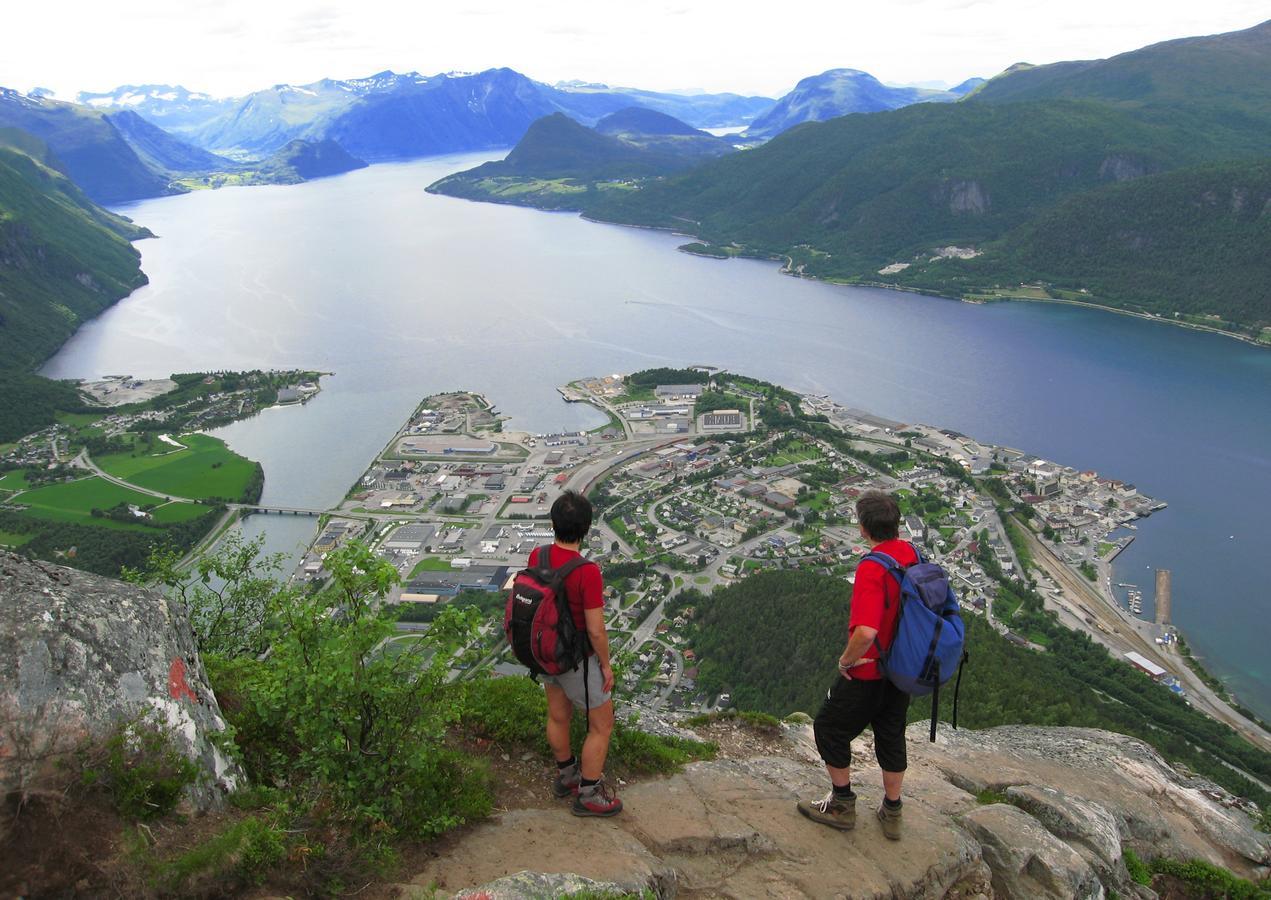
[[596, 746], [891, 784], [559, 713], [839, 777]]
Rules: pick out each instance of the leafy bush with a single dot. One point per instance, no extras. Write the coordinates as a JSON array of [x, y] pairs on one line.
[[1139, 872], [329, 717], [141, 770]]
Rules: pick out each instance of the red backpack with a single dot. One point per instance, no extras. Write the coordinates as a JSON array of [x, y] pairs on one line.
[[538, 623]]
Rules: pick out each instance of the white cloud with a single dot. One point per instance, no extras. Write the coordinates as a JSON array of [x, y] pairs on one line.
[[235, 46]]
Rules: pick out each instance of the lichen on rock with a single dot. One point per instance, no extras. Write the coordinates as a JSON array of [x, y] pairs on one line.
[[79, 655]]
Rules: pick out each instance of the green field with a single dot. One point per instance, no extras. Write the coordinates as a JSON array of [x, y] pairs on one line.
[[12, 539], [178, 512], [431, 564], [78, 419], [13, 481], [74, 501], [796, 452], [206, 469]]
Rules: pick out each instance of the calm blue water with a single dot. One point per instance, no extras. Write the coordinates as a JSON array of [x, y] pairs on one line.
[[402, 294]]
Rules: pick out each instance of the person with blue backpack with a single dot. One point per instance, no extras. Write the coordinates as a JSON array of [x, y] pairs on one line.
[[905, 637]]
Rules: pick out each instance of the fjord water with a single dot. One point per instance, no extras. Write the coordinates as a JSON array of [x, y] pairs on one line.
[[402, 294]]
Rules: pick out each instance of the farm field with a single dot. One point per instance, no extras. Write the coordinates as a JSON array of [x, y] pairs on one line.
[[74, 501], [205, 469], [13, 539]]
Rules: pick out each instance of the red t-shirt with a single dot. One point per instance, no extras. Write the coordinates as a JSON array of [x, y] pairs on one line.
[[876, 602], [584, 588]]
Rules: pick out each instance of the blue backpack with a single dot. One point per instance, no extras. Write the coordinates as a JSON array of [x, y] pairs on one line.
[[928, 646]]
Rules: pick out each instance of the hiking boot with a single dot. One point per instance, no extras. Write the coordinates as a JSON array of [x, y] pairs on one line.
[[567, 781], [831, 811], [598, 799], [891, 821]]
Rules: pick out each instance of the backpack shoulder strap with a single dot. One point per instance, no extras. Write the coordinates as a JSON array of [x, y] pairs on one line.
[[917, 552], [559, 575], [887, 562]]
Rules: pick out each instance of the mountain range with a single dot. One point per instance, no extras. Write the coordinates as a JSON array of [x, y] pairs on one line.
[[117, 155], [1010, 176]]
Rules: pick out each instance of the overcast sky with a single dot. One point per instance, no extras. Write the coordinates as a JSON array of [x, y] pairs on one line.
[[231, 47]]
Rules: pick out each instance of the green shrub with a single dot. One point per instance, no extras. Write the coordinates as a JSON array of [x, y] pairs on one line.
[[329, 718], [1207, 880], [241, 854], [1139, 872], [141, 770]]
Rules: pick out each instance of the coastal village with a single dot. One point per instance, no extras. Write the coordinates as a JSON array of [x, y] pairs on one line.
[[694, 489]]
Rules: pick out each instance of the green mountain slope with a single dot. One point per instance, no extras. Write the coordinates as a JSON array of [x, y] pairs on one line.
[[562, 164], [302, 160], [1192, 244], [772, 639], [878, 197], [1231, 70], [62, 259], [870, 189]]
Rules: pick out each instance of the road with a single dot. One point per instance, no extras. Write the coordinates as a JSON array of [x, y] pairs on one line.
[[1127, 636], [84, 461]]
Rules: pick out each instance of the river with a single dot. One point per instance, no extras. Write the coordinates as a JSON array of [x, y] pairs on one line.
[[401, 293]]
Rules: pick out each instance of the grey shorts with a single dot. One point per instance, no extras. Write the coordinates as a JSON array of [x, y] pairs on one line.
[[572, 684]]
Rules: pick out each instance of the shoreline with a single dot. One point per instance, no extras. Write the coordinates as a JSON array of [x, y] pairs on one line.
[[786, 269]]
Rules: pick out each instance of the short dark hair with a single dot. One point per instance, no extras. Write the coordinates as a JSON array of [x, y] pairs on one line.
[[879, 515], [571, 517]]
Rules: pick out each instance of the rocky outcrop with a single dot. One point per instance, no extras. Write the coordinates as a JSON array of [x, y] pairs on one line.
[[967, 197], [1074, 798], [80, 654]]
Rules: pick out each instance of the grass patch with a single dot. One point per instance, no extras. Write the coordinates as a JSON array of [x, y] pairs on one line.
[[78, 419], [989, 796], [205, 469], [431, 564], [13, 481], [13, 539], [74, 501], [514, 711], [177, 512], [760, 720]]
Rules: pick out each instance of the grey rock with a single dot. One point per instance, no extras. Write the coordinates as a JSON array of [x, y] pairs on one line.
[[1086, 825], [1027, 861], [80, 654], [1158, 810], [540, 886]]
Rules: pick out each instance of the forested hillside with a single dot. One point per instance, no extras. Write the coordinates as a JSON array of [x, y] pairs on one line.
[[773, 639], [1026, 171], [62, 260], [871, 189], [1193, 244]]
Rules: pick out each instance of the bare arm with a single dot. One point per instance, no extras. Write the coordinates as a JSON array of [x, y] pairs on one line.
[[858, 644]]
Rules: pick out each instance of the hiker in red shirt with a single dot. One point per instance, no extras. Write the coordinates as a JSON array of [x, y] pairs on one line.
[[584, 686], [861, 695]]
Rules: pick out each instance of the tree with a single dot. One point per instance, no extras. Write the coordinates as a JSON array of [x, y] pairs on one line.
[[230, 594]]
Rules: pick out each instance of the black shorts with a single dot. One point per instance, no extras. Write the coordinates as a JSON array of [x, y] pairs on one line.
[[850, 706]]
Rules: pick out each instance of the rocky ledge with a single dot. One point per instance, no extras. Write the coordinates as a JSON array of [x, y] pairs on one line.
[[1063, 803]]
